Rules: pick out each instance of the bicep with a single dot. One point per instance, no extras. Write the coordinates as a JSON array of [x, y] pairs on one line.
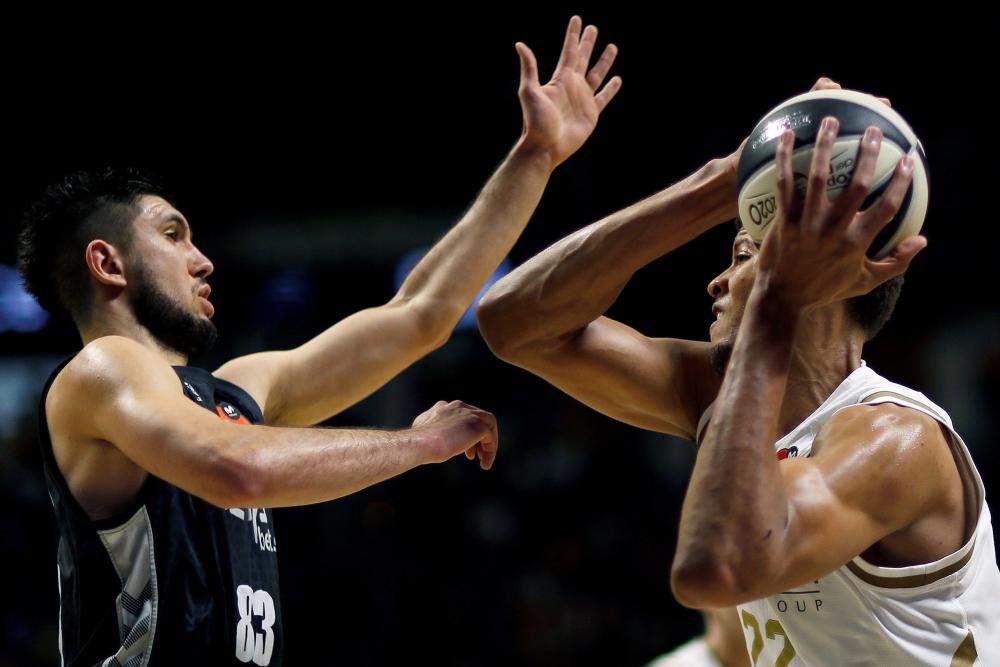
[[876, 472], [828, 522], [132, 400], [659, 384], [162, 432]]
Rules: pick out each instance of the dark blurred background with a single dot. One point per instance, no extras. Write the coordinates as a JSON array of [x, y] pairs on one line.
[[314, 152]]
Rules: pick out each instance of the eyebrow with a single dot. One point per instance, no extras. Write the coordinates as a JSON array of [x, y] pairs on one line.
[[178, 219], [744, 242]]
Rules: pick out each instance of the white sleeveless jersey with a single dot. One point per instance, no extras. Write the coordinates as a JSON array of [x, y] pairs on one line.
[[943, 613]]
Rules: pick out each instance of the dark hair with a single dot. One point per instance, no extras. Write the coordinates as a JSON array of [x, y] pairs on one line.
[[57, 227]]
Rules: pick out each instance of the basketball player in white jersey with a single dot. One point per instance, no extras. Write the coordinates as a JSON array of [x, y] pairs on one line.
[[840, 512]]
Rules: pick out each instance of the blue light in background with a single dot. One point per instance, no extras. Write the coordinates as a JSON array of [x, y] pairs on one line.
[[18, 310], [284, 296], [468, 320], [290, 290]]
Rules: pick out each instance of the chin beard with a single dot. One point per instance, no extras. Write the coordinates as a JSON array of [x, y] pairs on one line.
[[171, 325], [718, 357]]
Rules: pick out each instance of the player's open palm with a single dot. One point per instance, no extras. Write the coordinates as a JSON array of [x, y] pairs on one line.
[[559, 116]]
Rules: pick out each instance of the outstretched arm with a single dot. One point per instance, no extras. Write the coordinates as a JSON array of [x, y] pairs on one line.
[[364, 351], [116, 414]]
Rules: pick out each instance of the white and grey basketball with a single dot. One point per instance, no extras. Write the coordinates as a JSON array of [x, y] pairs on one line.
[[758, 201]]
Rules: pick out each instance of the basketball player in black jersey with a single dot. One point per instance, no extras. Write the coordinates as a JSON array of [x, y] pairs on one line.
[[159, 472]]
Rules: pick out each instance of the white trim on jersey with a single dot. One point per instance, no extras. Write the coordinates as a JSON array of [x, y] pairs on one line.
[[62, 658], [130, 547]]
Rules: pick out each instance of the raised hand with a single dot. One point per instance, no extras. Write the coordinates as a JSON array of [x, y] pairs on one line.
[[559, 116], [815, 254]]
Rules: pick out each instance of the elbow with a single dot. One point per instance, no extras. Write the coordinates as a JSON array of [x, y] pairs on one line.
[[434, 321], [437, 337], [705, 583], [236, 479], [494, 326], [490, 329]]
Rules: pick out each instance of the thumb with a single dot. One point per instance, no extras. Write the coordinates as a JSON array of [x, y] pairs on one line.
[[529, 66], [898, 261]]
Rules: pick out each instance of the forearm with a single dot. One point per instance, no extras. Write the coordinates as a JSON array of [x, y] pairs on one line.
[[448, 278], [263, 466], [576, 280], [736, 510]]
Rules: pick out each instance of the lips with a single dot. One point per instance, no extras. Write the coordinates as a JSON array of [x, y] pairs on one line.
[[203, 293], [207, 306], [717, 310]]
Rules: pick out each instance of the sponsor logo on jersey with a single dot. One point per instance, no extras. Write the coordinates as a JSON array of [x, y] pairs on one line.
[[800, 600], [787, 453], [257, 517], [229, 412], [192, 392]]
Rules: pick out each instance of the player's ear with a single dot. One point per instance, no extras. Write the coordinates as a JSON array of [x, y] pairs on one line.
[[105, 263]]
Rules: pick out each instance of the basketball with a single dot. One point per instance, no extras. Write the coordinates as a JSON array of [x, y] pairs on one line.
[[757, 170]]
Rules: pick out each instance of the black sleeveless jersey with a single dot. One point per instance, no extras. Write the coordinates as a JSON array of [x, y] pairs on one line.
[[174, 580]]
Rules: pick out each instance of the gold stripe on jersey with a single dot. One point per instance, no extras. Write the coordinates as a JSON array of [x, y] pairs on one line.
[[966, 654], [892, 394], [912, 581]]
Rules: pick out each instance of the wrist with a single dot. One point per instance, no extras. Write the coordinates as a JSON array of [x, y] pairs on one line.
[[534, 154], [717, 181], [770, 309], [426, 441], [732, 161]]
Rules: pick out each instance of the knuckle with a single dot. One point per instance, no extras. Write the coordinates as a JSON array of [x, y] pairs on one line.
[[861, 183], [887, 205]]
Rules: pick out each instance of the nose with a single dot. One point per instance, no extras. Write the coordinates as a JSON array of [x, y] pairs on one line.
[[719, 285], [201, 266]]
